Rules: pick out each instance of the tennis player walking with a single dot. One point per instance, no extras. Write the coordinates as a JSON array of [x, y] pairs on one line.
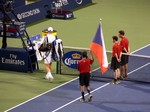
[[84, 76], [124, 43], [48, 60], [116, 58]]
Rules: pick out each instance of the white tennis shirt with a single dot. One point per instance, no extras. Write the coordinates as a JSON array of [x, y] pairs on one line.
[[51, 38]]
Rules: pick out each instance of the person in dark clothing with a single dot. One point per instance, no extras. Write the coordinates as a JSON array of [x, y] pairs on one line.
[[84, 76], [116, 58], [124, 43]]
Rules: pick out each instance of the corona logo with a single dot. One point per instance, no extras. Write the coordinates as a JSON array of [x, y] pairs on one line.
[[70, 59], [76, 56], [78, 1]]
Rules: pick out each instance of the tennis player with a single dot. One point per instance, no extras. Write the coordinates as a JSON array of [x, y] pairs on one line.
[[124, 43], [48, 55], [116, 58], [84, 76]]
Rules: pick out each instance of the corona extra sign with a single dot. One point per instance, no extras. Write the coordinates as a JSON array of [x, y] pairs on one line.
[[70, 59]]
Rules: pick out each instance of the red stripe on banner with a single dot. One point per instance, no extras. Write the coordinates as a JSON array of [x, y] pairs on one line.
[[98, 52]]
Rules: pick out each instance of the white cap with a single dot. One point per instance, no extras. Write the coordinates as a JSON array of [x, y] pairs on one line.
[[50, 29]]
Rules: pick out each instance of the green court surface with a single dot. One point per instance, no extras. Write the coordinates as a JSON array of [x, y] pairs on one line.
[[130, 15]]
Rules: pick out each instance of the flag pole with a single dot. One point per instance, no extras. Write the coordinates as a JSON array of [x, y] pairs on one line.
[[98, 48]]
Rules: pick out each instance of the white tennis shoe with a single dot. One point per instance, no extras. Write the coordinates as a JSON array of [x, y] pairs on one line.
[[49, 76]]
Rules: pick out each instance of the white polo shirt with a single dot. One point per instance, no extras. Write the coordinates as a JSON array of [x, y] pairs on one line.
[[51, 38]]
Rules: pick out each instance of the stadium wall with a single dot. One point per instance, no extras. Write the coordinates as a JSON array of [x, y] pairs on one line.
[[37, 11], [18, 3]]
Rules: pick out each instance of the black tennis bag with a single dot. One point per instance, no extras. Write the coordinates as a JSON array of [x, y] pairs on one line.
[[44, 47]]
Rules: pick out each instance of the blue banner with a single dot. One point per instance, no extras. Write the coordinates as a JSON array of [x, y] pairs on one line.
[[30, 13], [68, 4], [37, 11], [18, 3], [15, 59], [70, 59]]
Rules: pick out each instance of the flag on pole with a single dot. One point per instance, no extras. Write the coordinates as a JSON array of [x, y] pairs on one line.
[[98, 48]]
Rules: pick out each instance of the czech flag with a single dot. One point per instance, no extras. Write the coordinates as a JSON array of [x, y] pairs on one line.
[[98, 48]]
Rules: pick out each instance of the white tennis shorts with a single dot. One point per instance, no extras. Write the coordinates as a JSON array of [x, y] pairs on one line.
[[48, 58]]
